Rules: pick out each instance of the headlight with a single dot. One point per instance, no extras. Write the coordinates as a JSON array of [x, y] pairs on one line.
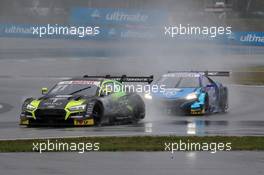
[[148, 96], [30, 107], [191, 96], [77, 108]]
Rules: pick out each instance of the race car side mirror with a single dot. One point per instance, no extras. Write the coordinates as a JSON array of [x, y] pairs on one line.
[[44, 91]]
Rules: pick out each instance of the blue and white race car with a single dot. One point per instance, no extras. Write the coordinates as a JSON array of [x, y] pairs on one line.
[[190, 93]]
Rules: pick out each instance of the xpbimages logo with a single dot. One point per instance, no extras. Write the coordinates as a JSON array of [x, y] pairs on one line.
[[130, 88], [211, 31], [56, 146], [213, 147], [80, 31]]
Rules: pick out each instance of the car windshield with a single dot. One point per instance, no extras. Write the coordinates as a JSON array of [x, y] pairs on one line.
[[86, 88], [179, 82]]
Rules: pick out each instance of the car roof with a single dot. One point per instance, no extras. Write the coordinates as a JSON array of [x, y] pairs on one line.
[[87, 79], [101, 80]]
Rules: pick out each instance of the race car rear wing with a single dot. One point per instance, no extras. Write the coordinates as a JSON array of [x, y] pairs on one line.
[[217, 73], [206, 73], [125, 78]]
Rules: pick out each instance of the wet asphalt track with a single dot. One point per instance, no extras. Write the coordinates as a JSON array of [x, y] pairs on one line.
[[23, 71], [22, 74], [133, 163], [245, 116]]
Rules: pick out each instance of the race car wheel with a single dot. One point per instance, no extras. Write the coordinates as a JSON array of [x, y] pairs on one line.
[[224, 100], [98, 113], [206, 105], [139, 108]]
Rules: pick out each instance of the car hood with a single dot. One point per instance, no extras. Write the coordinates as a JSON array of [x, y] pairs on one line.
[[59, 101], [174, 93]]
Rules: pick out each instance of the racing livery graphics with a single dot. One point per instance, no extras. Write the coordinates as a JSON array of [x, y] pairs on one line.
[[191, 93], [84, 101]]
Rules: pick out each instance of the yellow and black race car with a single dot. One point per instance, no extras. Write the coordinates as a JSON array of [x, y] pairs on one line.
[[88, 100]]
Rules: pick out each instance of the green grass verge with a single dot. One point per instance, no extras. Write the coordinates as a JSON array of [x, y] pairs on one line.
[[137, 143]]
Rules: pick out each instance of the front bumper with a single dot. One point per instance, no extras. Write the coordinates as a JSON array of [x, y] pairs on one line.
[[48, 122], [68, 122], [182, 107], [55, 117]]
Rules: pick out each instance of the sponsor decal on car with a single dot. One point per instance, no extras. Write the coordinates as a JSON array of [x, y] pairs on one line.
[[24, 122], [81, 82], [83, 122]]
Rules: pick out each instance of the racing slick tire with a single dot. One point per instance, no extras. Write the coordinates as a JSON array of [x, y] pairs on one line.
[[98, 112], [139, 108], [224, 100], [206, 105]]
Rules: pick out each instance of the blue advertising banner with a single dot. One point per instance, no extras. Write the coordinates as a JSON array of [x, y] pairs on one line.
[[247, 38], [120, 33], [106, 33], [236, 38], [100, 16], [48, 31], [16, 30]]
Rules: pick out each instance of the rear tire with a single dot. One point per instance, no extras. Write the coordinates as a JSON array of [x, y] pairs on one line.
[[98, 113], [206, 105], [224, 101], [139, 108]]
